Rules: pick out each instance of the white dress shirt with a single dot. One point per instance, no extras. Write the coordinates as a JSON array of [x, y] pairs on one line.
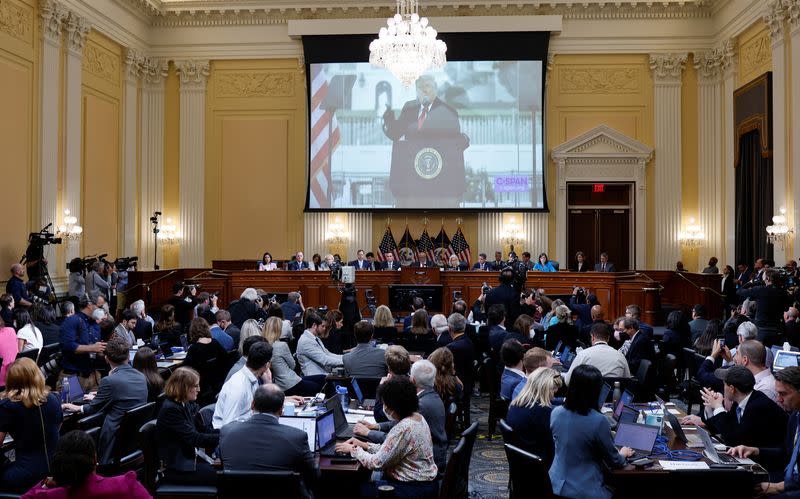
[[236, 398], [609, 361], [765, 383], [314, 358]]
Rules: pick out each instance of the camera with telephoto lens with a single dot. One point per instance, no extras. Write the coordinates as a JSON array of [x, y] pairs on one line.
[[124, 263], [485, 288], [43, 238], [336, 271]]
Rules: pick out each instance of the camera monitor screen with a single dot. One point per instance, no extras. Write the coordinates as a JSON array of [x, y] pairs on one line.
[[466, 136]]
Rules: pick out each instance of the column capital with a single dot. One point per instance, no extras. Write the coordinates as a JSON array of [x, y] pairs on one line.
[[154, 70], [53, 14], [134, 61], [774, 16], [193, 72], [712, 65], [77, 29], [551, 59], [793, 14], [668, 68]]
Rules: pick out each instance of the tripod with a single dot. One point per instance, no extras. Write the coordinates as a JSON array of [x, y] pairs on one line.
[[156, 230]]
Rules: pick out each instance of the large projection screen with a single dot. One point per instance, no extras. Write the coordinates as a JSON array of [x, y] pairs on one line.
[[468, 136]]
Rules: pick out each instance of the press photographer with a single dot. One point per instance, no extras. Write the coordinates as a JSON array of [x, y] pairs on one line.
[[506, 294], [772, 300]]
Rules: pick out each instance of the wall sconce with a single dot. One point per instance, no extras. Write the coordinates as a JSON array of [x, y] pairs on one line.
[[512, 234], [779, 233], [692, 236], [169, 235], [337, 234], [70, 228]]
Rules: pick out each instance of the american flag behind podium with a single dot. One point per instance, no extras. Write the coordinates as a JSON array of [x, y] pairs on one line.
[[459, 246], [424, 243], [324, 140], [387, 245]]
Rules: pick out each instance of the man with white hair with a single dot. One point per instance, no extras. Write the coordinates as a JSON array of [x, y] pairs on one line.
[[441, 330], [248, 306], [144, 326], [431, 407]]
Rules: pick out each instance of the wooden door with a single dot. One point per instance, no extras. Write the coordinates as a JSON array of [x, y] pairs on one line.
[[600, 220]]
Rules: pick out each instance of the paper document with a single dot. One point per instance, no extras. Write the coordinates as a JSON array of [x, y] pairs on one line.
[[683, 465], [355, 418], [361, 412]]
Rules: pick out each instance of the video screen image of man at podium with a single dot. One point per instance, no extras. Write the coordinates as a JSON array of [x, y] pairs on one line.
[[428, 150]]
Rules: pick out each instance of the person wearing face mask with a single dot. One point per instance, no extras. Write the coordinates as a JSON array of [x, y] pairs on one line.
[[428, 151]]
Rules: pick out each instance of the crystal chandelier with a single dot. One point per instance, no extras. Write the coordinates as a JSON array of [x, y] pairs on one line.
[[169, 235], [692, 236], [337, 233], [512, 234], [407, 45], [70, 228], [779, 233]]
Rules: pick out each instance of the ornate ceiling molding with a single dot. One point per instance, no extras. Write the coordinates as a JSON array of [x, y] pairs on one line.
[[197, 13]]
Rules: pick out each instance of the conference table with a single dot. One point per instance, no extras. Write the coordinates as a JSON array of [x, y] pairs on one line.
[[655, 291]]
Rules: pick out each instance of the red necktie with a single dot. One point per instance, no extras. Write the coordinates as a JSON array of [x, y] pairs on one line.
[[422, 117]]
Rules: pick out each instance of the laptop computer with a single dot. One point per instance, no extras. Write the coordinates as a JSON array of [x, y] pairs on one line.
[[343, 430], [75, 393], [308, 425], [628, 415], [691, 441], [566, 357], [784, 359], [362, 402], [625, 399], [326, 436], [716, 456], [639, 437]]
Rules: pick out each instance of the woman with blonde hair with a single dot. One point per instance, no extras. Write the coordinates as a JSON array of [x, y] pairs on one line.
[[446, 384], [385, 330], [32, 415], [529, 413], [283, 364], [250, 328]]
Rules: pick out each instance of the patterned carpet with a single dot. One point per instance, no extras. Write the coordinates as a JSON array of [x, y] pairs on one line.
[[488, 473]]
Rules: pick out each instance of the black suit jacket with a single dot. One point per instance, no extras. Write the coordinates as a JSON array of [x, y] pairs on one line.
[[119, 392], [729, 290], [507, 296], [463, 359], [427, 263], [641, 348], [482, 266], [566, 333], [776, 458], [385, 266], [609, 267], [177, 436], [584, 268], [261, 444], [441, 121], [498, 266], [771, 302], [763, 423]]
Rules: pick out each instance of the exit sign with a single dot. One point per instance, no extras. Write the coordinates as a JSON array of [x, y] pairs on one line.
[[599, 188]]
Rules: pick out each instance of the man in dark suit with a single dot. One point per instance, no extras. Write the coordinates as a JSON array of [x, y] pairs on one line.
[[753, 419], [422, 260], [743, 274], [389, 263], [298, 263], [364, 360], [429, 121], [482, 264], [463, 351], [771, 300], [792, 326], [360, 263], [123, 389], [633, 311], [498, 263], [461, 307], [604, 265], [641, 346], [505, 295], [261, 443]]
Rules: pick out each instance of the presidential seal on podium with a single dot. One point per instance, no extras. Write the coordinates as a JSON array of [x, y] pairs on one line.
[[428, 163]]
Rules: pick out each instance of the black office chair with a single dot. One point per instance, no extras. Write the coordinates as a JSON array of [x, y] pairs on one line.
[[451, 412], [48, 353], [93, 421], [147, 440], [237, 484], [368, 386], [30, 354], [528, 474], [461, 486], [204, 416], [498, 407], [509, 436], [127, 454], [452, 486]]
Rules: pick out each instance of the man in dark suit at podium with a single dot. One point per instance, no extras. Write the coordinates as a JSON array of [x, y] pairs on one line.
[[422, 260], [298, 263], [604, 265], [360, 263], [482, 264], [390, 263], [428, 151]]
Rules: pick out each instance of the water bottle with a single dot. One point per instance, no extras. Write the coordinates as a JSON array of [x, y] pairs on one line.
[[617, 394], [65, 390], [345, 400], [787, 346]]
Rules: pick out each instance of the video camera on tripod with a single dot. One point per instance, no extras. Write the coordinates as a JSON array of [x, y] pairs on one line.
[[43, 237]]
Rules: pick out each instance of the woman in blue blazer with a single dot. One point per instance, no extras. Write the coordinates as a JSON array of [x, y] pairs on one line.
[[544, 264], [582, 438]]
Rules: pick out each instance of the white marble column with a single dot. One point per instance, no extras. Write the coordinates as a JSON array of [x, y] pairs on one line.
[[667, 70], [490, 225], [710, 67], [53, 14], [133, 72], [793, 12], [77, 29], [194, 75], [151, 180], [729, 172], [774, 16]]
